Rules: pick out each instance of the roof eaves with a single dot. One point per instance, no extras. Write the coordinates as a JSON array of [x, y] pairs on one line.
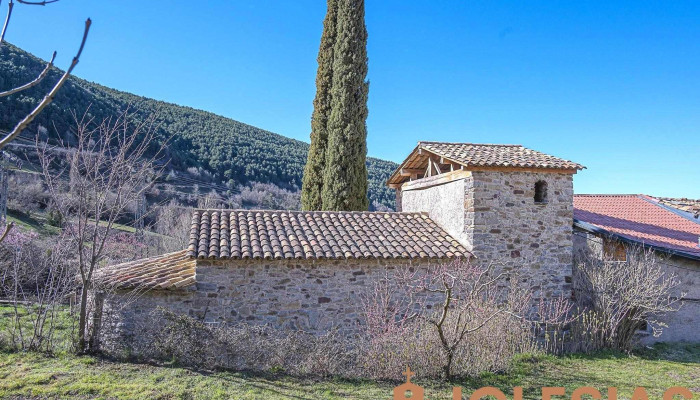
[[469, 144], [398, 169], [592, 228]]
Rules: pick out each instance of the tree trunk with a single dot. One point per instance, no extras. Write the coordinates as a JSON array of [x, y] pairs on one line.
[[82, 321], [448, 366], [96, 322]]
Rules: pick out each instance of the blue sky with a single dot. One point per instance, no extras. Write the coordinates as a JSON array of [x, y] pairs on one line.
[[612, 85]]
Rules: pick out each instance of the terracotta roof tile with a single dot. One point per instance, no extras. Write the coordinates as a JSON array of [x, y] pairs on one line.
[[690, 206], [167, 271], [266, 234], [497, 155], [474, 156], [639, 218]]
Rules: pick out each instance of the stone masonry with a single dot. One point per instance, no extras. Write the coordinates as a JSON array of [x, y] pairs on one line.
[[495, 216], [292, 295]]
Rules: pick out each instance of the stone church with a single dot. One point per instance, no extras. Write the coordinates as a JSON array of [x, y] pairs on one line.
[[306, 270]]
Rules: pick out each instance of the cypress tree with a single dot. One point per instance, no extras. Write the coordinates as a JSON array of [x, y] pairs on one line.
[[345, 174], [312, 181]]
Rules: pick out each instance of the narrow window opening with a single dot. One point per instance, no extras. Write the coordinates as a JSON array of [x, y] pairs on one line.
[[541, 192]]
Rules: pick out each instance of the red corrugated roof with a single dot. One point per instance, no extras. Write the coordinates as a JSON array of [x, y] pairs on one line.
[[640, 218]]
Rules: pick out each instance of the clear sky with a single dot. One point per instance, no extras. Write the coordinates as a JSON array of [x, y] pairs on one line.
[[612, 85]]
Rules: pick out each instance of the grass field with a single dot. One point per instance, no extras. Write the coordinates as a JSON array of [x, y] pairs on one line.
[[37, 376], [37, 222]]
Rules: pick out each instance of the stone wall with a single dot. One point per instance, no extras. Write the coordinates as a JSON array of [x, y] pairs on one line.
[[684, 324], [446, 204], [303, 295], [495, 215], [129, 320], [525, 237]]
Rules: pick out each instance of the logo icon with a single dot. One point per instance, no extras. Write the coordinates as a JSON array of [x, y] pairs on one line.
[[402, 391]]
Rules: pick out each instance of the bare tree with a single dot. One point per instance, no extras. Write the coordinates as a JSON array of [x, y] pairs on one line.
[[450, 307], [622, 296], [48, 98], [469, 299], [36, 278], [455, 299], [92, 184], [173, 222]]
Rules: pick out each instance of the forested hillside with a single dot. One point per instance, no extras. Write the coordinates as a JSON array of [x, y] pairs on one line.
[[234, 152]]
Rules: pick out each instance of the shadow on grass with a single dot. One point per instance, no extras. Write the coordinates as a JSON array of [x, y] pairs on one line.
[[274, 381], [683, 352]]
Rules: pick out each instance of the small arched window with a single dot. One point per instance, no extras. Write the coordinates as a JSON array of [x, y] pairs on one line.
[[540, 192]]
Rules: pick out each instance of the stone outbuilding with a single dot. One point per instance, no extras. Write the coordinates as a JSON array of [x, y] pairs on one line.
[[305, 270], [616, 223], [287, 269]]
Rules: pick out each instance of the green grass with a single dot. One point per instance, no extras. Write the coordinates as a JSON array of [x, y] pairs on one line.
[[63, 325], [38, 376], [36, 222]]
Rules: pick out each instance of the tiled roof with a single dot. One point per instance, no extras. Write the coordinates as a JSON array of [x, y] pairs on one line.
[[690, 206], [474, 156], [497, 155], [265, 234], [639, 218], [167, 271]]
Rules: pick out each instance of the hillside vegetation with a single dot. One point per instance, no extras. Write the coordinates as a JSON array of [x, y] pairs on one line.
[[233, 152]]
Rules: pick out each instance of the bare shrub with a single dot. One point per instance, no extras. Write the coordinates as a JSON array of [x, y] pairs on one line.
[[185, 340], [173, 222], [248, 347], [267, 196], [26, 193], [447, 319], [36, 280], [552, 328], [617, 298]]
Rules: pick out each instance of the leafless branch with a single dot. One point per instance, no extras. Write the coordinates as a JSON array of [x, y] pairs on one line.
[[37, 3], [10, 6], [50, 96], [35, 82], [619, 297]]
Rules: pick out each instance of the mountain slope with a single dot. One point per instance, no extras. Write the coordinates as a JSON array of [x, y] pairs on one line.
[[233, 151]]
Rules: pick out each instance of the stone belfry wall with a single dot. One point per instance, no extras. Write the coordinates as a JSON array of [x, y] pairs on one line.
[[495, 215], [529, 238]]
